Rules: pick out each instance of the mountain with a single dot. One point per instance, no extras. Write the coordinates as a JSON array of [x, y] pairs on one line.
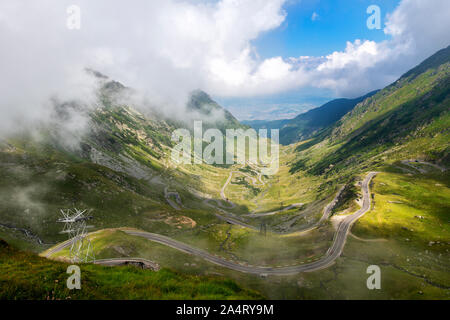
[[409, 119], [307, 124], [212, 113], [119, 166], [119, 161]]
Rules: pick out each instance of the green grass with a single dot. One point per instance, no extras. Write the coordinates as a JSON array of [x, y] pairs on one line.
[[411, 268], [414, 207], [408, 119], [24, 275]]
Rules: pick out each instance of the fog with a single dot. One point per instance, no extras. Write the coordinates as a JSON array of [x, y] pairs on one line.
[[166, 49]]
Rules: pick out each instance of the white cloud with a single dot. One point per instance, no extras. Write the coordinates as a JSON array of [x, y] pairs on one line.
[[168, 48], [165, 49], [315, 16], [421, 24], [418, 28]]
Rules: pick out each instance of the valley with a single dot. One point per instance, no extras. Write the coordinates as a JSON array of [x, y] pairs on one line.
[[371, 187]]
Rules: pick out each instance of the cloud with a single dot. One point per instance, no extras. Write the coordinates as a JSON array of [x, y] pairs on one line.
[[356, 70], [315, 16], [166, 49], [417, 30]]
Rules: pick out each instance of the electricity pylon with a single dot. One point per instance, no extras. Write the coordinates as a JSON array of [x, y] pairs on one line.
[[75, 226]]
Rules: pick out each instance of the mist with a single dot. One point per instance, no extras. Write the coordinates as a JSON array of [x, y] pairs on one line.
[[164, 50]]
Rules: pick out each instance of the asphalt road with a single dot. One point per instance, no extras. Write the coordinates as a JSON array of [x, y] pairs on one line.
[[168, 194], [408, 163], [265, 214], [328, 259], [331, 255], [255, 183]]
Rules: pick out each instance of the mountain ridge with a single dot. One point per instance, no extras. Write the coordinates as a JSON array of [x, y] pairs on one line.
[[310, 122], [412, 111]]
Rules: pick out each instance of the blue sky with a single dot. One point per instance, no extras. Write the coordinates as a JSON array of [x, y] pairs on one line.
[[301, 35], [336, 24]]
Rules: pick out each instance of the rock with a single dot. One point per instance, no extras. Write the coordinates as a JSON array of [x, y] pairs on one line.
[[146, 265]]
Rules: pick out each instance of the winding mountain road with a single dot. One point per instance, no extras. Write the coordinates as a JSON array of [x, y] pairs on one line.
[[255, 183], [265, 214], [330, 256], [421, 170], [230, 176], [167, 194]]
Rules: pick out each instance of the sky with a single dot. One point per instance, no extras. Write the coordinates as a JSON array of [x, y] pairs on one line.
[[318, 27], [253, 56], [311, 28]]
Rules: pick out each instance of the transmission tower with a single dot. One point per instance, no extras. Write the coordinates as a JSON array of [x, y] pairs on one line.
[[75, 225]]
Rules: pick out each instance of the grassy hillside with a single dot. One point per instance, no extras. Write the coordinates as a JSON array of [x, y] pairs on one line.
[[311, 122], [212, 114], [408, 119], [119, 168], [406, 233], [123, 172], [24, 275], [307, 124]]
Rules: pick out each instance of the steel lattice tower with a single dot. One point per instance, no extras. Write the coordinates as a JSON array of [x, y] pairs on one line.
[[75, 225]]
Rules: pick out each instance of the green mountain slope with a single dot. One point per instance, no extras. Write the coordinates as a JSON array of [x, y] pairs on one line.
[[121, 169], [309, 123], [120, 164], [212, 114], [408, 119]]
